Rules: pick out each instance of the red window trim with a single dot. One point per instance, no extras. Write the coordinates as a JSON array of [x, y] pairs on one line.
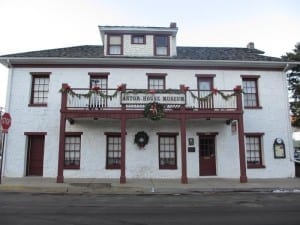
[[37, 75], [258, 135], [157, 76], [205, 75], [70, 134], [35, 133], [73, 133], [111, 134], [108, 44], [255, 79], [168, 45], [99, 75], [250, 76], [138, 35], [206, 134], [167, 134], [38, 105]]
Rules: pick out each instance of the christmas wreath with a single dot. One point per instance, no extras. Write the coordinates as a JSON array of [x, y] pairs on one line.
[[141, 139], [154, 111]]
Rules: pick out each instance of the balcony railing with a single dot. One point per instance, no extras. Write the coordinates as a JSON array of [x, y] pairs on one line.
[[171, 99]]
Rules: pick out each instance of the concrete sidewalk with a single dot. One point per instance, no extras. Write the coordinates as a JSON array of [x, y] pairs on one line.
[[148, 186]]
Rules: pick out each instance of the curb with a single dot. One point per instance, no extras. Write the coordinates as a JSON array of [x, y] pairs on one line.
[[116, 190]]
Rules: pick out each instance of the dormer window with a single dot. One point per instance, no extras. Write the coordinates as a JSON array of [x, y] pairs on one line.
[[161, 45], [115, 45], [138, 39]]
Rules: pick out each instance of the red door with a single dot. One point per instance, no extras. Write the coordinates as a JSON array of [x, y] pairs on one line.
[[207, 157], [35, 155]]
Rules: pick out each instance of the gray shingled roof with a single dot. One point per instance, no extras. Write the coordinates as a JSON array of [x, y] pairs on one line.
[[192, 53]]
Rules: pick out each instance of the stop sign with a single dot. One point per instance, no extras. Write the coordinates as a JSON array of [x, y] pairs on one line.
[[5, 122]]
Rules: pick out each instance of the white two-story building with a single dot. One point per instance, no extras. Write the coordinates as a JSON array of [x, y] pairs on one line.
[[139, 106]]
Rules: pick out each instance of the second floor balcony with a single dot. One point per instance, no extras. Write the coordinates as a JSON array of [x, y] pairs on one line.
[[171, 100]]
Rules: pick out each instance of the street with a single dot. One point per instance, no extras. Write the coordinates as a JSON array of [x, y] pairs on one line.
[[199, 208]]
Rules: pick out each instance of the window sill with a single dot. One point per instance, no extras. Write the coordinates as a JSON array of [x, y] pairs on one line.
[[168, 167], [38, 105], [256, 166], [113, 167], [254, 107], [72, 167]]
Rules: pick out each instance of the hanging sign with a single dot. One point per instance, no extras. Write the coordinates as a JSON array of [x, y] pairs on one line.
[[5, 122]]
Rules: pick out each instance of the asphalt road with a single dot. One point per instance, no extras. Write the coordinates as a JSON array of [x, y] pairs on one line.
[[210, 208]]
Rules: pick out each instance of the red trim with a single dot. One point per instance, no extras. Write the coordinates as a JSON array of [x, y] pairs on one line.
[[250, 76], [123, 150], [184, 179], [205, 75], [71, 167], [62, 128], [243, 173], [259, 134], [253, 79], [41, 74], [99, 75], [167, 134], [252, 166], [38, 105], [73, 133], [207, 133], [156, 74], [254, 107], [35, 133], [161, 76]]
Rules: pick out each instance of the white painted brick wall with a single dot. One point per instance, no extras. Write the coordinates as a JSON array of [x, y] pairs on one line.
[[272, 119]]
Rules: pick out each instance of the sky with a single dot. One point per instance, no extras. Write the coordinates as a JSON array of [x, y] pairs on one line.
[[28, 25]]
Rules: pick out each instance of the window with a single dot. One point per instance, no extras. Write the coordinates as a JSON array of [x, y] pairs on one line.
[[205, 86], [161, 45], [98, 80], [156, 81], [114, 45], [167, 151], [138, 39], [113, 149], [72, 150], [39, 89], [254, 150], [250, 91]]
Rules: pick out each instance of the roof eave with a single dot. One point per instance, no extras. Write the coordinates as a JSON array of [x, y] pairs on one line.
[[8, 62]]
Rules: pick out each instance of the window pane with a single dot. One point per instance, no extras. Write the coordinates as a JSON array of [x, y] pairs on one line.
[[115, 40], [161, 41], [115, 50], [161, 51]]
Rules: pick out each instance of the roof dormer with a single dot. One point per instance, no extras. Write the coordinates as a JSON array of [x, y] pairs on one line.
[[132, 41]]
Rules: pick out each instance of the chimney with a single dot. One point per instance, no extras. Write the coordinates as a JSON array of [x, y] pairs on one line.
[[173, 25], [250, 45]]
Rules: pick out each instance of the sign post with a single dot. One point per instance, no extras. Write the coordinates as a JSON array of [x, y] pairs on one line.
[[5, 123]]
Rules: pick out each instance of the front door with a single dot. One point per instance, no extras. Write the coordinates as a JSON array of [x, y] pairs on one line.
[[35, 155], [207, 157]]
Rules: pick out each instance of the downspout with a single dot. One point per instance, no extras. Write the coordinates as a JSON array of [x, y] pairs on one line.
[[7, 109], [290, 144]]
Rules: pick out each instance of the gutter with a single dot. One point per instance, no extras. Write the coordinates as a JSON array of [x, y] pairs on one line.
[[115, 61]]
